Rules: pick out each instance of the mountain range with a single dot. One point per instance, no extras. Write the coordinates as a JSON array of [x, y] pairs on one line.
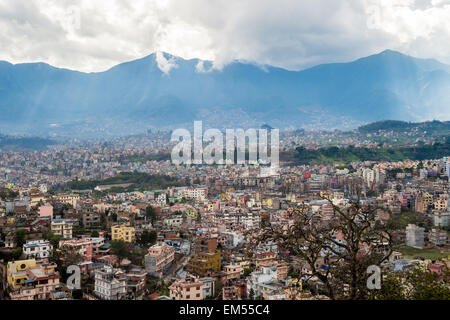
[[165, 91]]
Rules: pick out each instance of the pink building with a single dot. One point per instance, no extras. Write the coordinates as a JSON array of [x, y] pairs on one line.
[[46, 211], [83, 246], [187, 289]]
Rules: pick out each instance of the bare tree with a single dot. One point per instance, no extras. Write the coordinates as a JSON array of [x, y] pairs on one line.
[[337, 252]]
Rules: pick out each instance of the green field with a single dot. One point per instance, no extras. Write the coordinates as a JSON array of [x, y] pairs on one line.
[[411, 253]]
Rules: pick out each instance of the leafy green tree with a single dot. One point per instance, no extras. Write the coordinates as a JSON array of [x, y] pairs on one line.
[[391, 288], [120, 249], [147, 238], [17, 253], [251, 295], [427, 285], [151, 214], [247, 272], [19, 237], [53, 238]]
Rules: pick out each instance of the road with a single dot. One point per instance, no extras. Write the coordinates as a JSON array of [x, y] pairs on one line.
[[181, 263]]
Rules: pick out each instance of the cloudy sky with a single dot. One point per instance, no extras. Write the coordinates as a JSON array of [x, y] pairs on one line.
[[93, 35]]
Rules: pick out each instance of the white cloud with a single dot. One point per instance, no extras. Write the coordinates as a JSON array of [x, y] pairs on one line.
[[95, 35]]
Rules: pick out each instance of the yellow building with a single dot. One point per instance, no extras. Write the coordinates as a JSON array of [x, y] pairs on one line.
[[123, 232], [205, 261], [192, 214], [268, 202], [16, 272], [428, 198], [62, 228]]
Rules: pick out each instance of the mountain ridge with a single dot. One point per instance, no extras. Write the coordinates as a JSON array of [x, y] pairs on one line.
[[162, 90]]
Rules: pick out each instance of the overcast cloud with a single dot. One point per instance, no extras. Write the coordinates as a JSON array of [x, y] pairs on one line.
[[93, 35]]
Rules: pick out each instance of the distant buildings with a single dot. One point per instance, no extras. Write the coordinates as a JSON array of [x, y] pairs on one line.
[[194, 193], [86, 247], [261, 278]]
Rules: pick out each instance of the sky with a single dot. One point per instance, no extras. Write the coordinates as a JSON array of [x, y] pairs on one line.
[[94, 35]]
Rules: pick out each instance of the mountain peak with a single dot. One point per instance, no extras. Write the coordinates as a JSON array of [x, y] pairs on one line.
[[389, 52]]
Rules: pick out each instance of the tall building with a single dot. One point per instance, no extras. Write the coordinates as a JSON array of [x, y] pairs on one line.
[[414, 236], [446, 164]]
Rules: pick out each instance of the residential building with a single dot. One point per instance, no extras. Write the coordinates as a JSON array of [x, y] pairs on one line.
[[441, 219], [110, 283], [123, 232], [136, 280], [204, 262], [190, 288], [62, 227], [208, 286], [29, 280], [159, 258], [438, 237], [38, 249]]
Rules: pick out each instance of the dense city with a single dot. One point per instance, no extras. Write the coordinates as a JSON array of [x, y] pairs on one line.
[[116, 220]]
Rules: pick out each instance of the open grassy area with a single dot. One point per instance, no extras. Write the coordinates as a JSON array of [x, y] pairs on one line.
[[411, 253], [401, 220]]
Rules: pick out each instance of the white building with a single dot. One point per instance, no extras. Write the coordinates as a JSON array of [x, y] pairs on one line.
[[38, 249], [110, 283], [441, 219], [194, 193], [233, 239], [260, 277], [446, 165], [414, 236], [438, 237], [208, 286]]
